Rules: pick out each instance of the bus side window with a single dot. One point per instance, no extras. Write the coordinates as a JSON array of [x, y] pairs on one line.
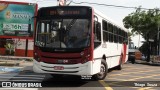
[[97, 31]]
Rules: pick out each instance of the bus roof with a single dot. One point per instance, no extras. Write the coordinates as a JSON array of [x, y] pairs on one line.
[[97, 12], [63, 6]]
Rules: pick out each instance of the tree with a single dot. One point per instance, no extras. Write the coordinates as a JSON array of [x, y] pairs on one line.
[[145, 23], [143, 48]]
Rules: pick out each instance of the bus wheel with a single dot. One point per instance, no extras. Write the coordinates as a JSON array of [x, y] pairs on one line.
[[103, 71], [120, 66], [133, 61]]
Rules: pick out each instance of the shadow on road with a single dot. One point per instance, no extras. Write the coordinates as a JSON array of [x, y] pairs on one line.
[[70, 81]]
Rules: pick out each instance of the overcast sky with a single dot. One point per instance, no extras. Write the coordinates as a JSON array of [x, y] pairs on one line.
[[116, 14]]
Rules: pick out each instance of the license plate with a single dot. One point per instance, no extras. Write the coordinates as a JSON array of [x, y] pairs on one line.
[[58, 68]]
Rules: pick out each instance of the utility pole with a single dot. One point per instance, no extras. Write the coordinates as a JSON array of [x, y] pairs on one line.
[[158, 43], [138, 40], [29, 32], [158, 38], [148, 49]]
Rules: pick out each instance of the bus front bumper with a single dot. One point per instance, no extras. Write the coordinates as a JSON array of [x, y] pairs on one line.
[[70, 69]]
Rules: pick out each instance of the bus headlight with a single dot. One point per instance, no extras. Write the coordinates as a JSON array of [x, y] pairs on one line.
[[86, 59], [36, 57], [35, 54]]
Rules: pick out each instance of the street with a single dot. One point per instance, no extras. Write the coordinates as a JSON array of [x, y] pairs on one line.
[[132, 77]]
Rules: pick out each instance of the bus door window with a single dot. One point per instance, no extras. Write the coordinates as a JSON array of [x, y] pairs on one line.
[[97, 33], [41, 37], [57, 41]]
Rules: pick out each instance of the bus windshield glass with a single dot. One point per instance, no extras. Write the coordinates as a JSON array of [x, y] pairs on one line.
[[63, 33]]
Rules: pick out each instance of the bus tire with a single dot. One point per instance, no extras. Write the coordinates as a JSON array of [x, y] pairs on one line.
[[133, 60], [120, 66], [103, 71]]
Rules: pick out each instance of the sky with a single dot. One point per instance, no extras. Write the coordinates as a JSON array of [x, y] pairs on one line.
[[116, 14]]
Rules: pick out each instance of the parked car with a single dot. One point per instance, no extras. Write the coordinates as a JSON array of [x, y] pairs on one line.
[[143, 57], [131, 52]]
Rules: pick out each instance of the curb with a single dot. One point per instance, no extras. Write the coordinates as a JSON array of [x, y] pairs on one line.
[[141, 62], [147, 63], [15, 58], [13, 62]]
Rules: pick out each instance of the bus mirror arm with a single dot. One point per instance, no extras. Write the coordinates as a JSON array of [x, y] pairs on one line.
[[125, 41]]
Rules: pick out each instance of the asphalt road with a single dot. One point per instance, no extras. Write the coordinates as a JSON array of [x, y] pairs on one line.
[[131, 77]]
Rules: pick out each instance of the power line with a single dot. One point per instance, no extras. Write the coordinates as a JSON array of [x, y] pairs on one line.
[[110, 5]]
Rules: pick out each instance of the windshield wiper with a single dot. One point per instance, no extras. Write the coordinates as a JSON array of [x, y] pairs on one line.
[[71, 24]]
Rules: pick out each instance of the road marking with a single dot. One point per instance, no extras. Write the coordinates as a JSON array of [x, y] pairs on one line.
[[131, 72], [156, 78], [18, 88], [110, 76], [142, 77], [107, 87], [33, 75], [114, 83], [16, 77], [21, 77], [116, 79], [145, 88], [27, 80], [131, 68], [145, 68], [5, 77], [11, 74]]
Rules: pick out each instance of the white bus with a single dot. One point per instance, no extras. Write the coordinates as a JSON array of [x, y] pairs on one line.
[[78, 40]]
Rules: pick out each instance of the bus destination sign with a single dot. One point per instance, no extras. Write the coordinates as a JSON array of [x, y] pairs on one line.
[[67, 11]]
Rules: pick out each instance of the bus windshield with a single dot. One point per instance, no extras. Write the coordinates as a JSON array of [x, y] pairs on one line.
[[63, 33]]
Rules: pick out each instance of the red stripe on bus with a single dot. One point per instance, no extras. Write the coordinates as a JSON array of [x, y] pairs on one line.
[[123, 54]]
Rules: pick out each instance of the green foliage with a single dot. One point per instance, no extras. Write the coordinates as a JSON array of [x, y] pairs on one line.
[[144, 22], [30, 60], [9, 48]]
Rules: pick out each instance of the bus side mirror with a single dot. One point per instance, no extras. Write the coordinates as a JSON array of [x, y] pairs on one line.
[[125, 41]]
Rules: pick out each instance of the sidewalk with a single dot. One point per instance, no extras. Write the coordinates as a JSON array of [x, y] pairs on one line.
[[14, 58], [146, 63], [15, 64]]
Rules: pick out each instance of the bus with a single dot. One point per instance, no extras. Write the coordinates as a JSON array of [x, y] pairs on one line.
[[78, 40]]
